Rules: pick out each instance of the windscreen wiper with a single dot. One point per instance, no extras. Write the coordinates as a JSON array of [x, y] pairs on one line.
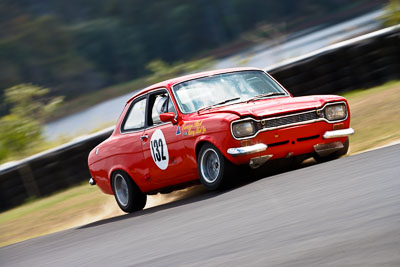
[[265, 96], [219, 103]]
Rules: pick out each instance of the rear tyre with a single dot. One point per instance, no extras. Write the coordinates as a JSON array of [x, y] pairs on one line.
[[213, 167], [334, 155], [127, 194]]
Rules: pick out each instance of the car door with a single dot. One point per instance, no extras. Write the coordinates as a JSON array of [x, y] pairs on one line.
[[129, 144], [163, 148]]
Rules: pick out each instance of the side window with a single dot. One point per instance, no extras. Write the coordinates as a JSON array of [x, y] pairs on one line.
[[158, 104], [171, 107], [136, 116]]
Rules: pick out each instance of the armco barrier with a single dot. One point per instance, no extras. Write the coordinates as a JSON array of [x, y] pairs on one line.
[[47, 172], [362, 62], [358, 63]]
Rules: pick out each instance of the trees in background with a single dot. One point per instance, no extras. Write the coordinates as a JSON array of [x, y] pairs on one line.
[[77, 47], [21, 129], [392, 13]]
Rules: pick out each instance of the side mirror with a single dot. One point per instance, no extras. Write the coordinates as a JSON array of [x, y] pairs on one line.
[[169, 116]]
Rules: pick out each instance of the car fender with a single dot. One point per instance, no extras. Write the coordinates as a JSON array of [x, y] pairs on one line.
[[123, 168], [209, 139]]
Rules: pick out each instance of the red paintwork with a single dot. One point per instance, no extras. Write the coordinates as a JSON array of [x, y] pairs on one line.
[[128, 153]]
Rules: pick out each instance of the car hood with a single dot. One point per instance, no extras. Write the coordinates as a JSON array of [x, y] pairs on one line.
[[276, 106]]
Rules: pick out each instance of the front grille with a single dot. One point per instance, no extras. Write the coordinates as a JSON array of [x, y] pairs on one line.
[[287, 120]]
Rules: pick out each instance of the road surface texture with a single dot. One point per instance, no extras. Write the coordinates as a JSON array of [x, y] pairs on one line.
[[341, 213]]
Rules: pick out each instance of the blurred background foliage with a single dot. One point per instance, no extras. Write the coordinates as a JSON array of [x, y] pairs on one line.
[[90, 51], [21, 129], [77, 47], [161, 70], [392, 13]]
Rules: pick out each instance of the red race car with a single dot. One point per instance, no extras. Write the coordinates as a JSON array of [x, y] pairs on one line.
[[202, 125]]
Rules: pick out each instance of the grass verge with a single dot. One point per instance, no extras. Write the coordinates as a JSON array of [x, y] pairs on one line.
[[375, 117]]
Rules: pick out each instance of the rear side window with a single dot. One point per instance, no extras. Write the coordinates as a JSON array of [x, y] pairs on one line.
[[136, 117]]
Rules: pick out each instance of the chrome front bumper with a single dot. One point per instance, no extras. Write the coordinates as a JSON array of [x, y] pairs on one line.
[[246, 150], [338, 133]]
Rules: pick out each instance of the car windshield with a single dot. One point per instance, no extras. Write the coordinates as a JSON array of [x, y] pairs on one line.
[[226, 88]]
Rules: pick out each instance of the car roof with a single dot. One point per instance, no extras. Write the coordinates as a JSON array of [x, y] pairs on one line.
[[171, 82]]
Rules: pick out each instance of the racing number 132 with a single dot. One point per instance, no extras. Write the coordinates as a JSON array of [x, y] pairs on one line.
[[155, 148]]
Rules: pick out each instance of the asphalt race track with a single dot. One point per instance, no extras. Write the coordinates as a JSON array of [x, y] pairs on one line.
[[341, 213]]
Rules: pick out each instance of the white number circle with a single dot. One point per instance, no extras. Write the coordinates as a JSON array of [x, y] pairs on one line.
[[159, 149]]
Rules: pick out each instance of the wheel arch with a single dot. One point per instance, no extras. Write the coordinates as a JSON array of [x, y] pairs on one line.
[[121, 169], [204, 140]]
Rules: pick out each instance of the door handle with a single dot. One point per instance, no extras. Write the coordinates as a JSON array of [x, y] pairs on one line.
[[144, 137]]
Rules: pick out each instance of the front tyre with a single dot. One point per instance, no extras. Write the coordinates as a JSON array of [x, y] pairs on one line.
[[127, 194], [213, 167]]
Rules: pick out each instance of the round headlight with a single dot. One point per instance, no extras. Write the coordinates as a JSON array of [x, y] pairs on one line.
[[243, 129], [335, 112]]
